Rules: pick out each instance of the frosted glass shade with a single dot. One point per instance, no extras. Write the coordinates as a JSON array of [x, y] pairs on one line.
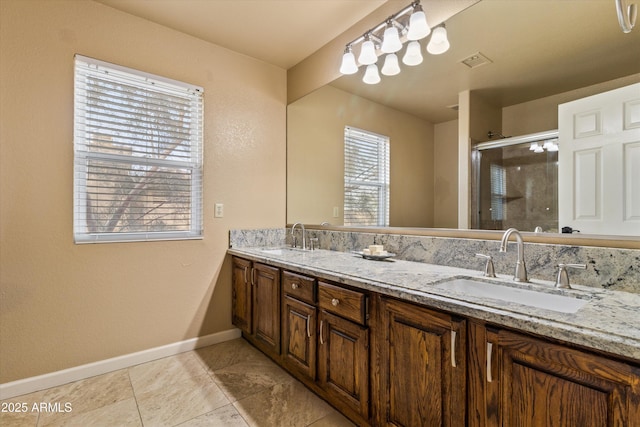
[[418, 26], [348, 65], [367, 53], [371, 76], [412, 56], [439, 42], [391, 40], [391, 66]]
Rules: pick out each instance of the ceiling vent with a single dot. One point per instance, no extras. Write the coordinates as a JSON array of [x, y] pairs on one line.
[[476, 60]]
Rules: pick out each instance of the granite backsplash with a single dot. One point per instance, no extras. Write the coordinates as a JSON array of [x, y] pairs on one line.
[[613, 268]]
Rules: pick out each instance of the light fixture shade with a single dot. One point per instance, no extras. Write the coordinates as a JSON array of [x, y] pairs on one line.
[[534, 146], [371, 76], [391, 40], [551, 145], [412, 56], [348, 65], [367, 53], [439, 42], [390, 67], [418, 26]]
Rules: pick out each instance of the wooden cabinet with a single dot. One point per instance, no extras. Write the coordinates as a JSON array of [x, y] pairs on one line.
[[422, 370], [325, 341], [256, 303], [405, 364], [241, 294], [299, 324], [527, 381]]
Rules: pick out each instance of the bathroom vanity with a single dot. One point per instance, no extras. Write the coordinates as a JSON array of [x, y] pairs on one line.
[[394, 343]]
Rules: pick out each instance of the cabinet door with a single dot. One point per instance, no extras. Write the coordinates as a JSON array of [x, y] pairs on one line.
[[423, 363], [299, 336], [531, 382], [241, 294], [343, 363], [266, 307]]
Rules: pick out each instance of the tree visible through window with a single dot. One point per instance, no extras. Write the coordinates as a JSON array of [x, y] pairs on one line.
[[366, 178], [138, 155]]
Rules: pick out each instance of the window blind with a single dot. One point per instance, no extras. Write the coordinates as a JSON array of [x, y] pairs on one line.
[[498, 191], [137, 155], [366, 178]]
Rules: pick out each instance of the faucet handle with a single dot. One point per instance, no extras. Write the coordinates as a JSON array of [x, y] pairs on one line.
[[489, 271], [563, 277]]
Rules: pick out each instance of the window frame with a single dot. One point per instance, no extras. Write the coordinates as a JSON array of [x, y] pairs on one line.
[[84, 155], [381, 184]]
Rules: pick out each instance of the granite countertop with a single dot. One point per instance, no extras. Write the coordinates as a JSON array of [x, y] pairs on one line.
[[609, 322]]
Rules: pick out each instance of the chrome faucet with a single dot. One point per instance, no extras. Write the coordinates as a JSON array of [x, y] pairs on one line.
[[521, 269], [304, 235]]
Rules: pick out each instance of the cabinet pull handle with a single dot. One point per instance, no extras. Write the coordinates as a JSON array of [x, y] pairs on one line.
[[335, 302], [321, 327], [453, 348], [309, 326], [294, 285], [489, 357], [246, 267], [253, 276]]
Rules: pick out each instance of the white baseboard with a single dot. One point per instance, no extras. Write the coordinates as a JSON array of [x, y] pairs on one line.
[[53, 379]]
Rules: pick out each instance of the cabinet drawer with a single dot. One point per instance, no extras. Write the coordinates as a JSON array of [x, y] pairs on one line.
[[298, 286], [343, 302]]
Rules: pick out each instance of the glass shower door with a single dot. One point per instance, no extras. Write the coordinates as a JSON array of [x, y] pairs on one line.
[[516, 186]]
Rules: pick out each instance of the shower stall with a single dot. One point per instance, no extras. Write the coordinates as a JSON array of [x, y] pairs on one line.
[[515, 183]]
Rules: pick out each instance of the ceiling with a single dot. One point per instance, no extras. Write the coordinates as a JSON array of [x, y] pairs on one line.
[[280, 32], [537, 47]]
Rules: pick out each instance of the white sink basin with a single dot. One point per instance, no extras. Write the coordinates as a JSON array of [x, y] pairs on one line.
[[548, 301]]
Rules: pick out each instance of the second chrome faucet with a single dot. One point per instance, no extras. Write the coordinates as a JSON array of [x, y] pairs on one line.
[[520, 274]]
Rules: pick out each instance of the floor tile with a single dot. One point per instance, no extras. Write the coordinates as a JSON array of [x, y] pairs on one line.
[[247, 378], [19, 410], [84, 396], [218, 356], [160, 373], [180, 401], [288, 404], [121, 414], [334, 419], [226, 416], [230, 384]]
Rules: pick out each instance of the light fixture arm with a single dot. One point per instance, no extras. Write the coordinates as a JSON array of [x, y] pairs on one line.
[[626, 15]]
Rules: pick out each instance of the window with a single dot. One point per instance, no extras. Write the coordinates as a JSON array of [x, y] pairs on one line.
[[366, 178], [498, 191], [137, 155]]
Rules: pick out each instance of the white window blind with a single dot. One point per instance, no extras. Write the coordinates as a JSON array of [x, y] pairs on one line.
[[137, 155], [366, 178], [498, 191]]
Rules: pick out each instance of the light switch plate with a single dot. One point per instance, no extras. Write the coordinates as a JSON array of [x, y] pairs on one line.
[[336, 212], [219, 210]]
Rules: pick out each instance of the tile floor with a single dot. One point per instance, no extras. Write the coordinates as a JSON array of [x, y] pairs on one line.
[[228, 384]]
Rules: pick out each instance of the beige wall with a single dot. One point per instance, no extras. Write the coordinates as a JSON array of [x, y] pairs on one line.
[[445, 169], [64, 305], [542, 114], [315, 157]]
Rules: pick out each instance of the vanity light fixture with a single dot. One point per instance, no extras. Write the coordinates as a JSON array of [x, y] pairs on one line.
[[368, 54], [549, 145], [371, 76], [349, 65], [408, 25], [391, 66], [439, 42]]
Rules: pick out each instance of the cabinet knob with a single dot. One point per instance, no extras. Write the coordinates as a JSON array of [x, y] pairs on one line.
[[335, 302], [294, 286]]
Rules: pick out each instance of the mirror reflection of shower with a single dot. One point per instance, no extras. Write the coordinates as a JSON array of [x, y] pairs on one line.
[[516, 183]]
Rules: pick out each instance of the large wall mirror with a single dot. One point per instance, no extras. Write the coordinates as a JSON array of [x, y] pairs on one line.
[[539, 54]]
